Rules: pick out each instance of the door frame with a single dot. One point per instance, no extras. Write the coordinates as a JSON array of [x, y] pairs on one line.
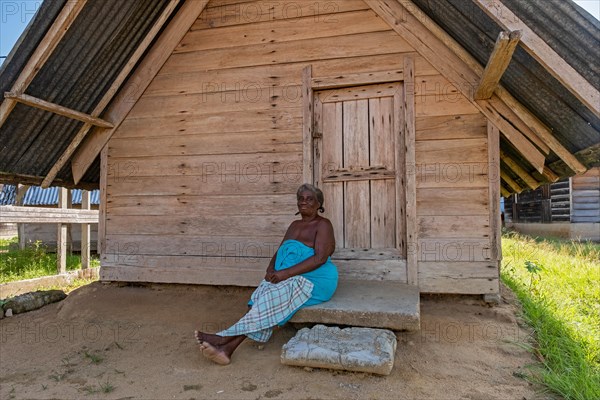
[[406, 182]]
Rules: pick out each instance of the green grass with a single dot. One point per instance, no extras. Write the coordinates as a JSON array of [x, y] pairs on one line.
[[33, 262], [558, 284]]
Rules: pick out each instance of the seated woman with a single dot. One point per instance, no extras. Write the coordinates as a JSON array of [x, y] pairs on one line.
[[300, 274]]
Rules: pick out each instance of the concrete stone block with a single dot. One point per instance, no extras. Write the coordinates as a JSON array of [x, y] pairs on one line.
[[350, 349], [371, 304]]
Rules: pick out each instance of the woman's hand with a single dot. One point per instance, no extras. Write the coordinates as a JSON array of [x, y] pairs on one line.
[[276, 276], [269, 274]]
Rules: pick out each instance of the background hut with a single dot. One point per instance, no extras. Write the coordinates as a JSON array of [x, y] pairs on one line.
[[568, 208]]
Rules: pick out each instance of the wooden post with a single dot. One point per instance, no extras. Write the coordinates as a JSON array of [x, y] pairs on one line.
[[21, 190], [85, 232], [412, 271], [101, 249], [61, 235], [494, 177]]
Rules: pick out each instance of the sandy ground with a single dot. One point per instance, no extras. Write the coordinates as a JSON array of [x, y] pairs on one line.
[[119, 342]]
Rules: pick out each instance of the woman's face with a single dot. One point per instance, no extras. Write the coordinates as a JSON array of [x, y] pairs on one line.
[[308, 203]]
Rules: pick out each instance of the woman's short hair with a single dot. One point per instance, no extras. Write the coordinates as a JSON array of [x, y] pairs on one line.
[[315, 191]]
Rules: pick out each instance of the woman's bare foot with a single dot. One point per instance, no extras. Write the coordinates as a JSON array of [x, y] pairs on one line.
[[215, 354], [215, 340], [218, 348]]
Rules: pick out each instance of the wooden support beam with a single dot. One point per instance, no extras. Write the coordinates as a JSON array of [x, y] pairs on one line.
[[85, 232], [521, 173], [511, 182], [494, 193], [537, 127], [59, 28], [408, 23], [506, 43], [544, 54], [409, 133], [21, 192], [61, 234], [108, 96], [57, 109], [504, 192], [137, 83], [103, 203]]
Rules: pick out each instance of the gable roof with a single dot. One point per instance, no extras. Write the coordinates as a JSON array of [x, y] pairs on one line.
[[85, 62]]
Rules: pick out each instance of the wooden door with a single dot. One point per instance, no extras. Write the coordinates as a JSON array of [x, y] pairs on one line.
[[358, 154]]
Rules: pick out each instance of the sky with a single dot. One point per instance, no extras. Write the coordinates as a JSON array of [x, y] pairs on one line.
[[16, 14]]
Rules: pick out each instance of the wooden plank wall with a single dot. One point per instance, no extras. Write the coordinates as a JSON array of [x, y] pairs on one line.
[[202, 174], [455, 251]]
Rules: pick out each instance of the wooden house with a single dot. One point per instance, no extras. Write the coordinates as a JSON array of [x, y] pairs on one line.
[[199, 119]]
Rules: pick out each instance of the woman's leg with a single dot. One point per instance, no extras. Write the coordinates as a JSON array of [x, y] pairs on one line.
[[218, 348]]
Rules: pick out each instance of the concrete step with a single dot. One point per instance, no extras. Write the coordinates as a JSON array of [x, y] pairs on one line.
[[372, 304]]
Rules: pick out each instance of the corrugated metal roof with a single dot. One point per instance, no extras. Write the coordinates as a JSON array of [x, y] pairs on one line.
[[36, 196], [76, 75], [8, 195], [569, 30]]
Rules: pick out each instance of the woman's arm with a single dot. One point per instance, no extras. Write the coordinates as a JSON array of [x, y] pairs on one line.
[[324, 248]]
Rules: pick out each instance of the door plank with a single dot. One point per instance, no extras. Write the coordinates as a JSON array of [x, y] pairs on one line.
[[356, 155], [331, 159], [383, 196]]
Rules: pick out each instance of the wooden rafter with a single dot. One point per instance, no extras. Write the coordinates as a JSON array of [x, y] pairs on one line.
[[521, 173], [55, 108], [496, 112], [506, 43], [530, 120], [41, 54], [544, 54], [509, 115], [511, 182], [108, 96], [444, 58], [541, 130], [504, 192], [550, 175], [137, 83]]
